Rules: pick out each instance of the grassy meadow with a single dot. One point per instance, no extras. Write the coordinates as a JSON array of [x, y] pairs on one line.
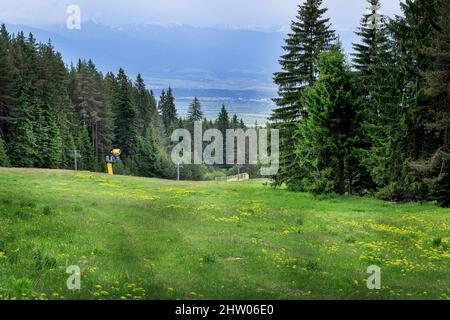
[[137, 238]]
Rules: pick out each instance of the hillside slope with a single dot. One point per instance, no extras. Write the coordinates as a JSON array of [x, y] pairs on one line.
[[137, 238]]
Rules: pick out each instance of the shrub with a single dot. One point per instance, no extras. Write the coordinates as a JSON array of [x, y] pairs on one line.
[[47, 210], [4, 160]]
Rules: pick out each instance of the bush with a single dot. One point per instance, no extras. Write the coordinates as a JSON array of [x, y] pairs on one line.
[[391, 192], [322, 182], [4, 160], [440, 191]]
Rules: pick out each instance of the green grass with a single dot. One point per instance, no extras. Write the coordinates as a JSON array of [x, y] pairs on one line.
[[137, 238]]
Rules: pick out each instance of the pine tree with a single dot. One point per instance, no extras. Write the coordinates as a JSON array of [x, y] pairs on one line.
[[48, 140], [234, 122], [195, 111], [370, 62], [434, 167], [327, 134], [143, 103], [84, 145], [56, 94], [168, 110], [153, 160], [8, 80], [171, 109], [4, 159], [194, 114], [310, 36], [22, 144], [223, 123], [107, 116], [401, 138], [371, 37], [125, 116]]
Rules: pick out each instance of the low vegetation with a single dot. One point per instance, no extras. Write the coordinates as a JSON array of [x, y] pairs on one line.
[[139, 238]]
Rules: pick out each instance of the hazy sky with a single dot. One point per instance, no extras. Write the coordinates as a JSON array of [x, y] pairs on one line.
[[345, 14]]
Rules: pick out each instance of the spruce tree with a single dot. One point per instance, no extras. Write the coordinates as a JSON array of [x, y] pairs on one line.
[[143, 103], [84, 145], [48, 139], [371, 37], [434, 167], [8, 82], [327, 134], [4, 159], [370, 60], [223, 123], [234, 122], [168, 111], [194, 112], [311, 34], [402, 139], [125, 116], [153, 160], [22, 144]]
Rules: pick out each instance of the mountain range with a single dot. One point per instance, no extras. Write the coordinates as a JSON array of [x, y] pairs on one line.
[[202, 61]]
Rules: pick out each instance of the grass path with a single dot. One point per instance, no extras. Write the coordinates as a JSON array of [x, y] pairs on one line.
[[137, 238]]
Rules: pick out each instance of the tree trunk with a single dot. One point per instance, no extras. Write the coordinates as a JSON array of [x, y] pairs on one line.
[[341, 176]]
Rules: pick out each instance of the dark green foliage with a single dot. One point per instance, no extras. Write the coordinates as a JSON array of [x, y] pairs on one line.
[[371, 61], [153, 160], [435, 168], [223, 123], [145, 104], [403, 144], [328, 132], [8, 81], [48, 110], [4, 159], [168, 111], [22, 143], [195, 111], [48, 139], [125, 117], [311, 34], [84, 145]]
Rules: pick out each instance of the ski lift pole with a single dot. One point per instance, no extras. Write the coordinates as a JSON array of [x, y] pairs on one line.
[[75, 155]]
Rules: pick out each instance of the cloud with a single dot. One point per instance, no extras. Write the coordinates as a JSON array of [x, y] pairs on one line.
[[345, 14]]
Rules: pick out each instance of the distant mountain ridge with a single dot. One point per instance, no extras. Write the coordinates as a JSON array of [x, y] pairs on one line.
[[201, 61]]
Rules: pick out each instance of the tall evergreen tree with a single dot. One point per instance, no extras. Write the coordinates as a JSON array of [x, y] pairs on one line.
[[401, 138], [195, 111], [311, 34], [370, 60], [168, 110], [125, 116], [4, 159], [327, 134], [234, 124], [143, 104], [371, 37], [434, 167], [22, 144], [8, 81], [84, 145], [48, 139], [223, 123], [153, 160]]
